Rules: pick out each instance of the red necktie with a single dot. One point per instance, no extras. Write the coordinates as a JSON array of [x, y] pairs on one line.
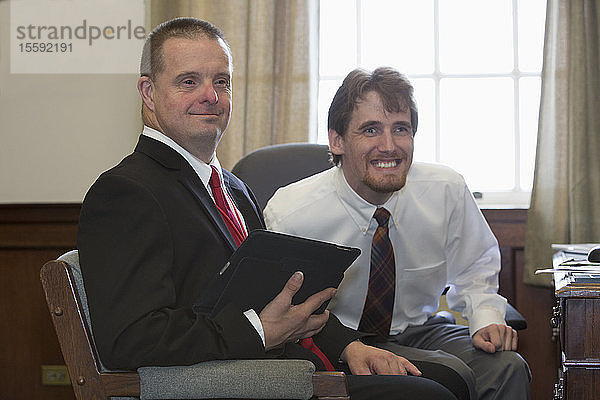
[[379, 304], [231, 219], [309, 344]]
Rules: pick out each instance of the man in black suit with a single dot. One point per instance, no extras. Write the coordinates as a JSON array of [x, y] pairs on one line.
[[152, 235]]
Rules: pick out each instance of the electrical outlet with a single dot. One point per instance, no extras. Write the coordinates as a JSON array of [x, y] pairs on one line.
[[55, 375]]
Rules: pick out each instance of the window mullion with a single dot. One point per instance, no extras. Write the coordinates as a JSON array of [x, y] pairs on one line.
[[436, 79], [517, 111], [359, 28]]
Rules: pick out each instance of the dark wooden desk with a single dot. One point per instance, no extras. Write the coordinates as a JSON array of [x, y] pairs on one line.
[[577, 319]]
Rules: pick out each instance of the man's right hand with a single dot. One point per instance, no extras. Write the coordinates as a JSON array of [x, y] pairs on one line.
[[283, 322]]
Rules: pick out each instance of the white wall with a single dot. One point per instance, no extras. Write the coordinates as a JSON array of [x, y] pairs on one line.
[[58, 132]]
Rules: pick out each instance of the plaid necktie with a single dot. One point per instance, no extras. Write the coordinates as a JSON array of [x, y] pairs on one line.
[[231, 220], [379, 304]]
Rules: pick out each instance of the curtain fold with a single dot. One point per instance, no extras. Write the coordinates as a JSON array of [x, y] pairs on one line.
[[274, 60], [565, 202]]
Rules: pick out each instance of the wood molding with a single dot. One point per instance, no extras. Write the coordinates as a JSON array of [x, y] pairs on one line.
[[508, 225], [38, 226], [39, 213]]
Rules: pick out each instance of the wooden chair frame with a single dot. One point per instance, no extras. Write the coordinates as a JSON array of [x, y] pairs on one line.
[[74, 338]]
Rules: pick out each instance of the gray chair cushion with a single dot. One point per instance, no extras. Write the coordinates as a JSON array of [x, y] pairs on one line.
[[279, 379]]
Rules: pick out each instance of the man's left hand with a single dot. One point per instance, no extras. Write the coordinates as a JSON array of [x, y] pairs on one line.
[[368, 360], [495, 337]]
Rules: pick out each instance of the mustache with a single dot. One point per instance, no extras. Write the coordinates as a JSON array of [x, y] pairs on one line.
[[206, 110], [399, 153]]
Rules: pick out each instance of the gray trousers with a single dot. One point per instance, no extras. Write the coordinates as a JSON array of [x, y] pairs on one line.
[[500, 375]]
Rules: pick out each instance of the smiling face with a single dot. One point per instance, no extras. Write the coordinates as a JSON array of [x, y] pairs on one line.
[[376, 150], [190, 100]]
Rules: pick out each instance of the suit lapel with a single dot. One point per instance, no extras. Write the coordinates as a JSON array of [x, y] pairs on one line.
[[196, 187], [170, 159], [244, 202]]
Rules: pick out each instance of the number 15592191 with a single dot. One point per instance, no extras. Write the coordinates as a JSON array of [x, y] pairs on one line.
[[45, 47]]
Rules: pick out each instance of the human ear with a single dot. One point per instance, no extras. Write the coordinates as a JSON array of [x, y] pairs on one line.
[[336, 142], [145, 87]]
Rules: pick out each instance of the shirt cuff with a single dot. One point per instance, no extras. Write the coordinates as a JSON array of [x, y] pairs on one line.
[[484, 317], [255, 321]]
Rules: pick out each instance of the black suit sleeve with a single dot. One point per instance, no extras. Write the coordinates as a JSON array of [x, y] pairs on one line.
[[334, 338], [137, 287]]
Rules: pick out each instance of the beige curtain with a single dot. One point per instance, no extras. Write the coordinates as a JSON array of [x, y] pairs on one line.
[[565, 203], [274, 67]]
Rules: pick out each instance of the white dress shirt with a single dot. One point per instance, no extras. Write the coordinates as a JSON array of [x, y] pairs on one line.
[[204, 171], [439, 236]]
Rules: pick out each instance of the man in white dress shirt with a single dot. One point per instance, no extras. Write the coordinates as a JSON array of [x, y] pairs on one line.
[[437, 238]]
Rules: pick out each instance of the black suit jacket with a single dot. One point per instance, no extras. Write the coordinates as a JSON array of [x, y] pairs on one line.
[[150, 240]]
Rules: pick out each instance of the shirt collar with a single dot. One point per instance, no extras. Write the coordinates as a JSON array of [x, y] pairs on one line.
[[360, 210], [202, 169]]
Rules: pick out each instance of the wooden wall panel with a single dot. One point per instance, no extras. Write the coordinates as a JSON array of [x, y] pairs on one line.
[[30, 235], [534, 303]]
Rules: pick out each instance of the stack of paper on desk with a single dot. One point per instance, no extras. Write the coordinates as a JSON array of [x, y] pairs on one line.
[[581, 262], [581, 252]]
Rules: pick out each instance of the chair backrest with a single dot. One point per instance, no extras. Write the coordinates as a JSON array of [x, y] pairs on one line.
[[72, 260], [269, 168], [74, 336]]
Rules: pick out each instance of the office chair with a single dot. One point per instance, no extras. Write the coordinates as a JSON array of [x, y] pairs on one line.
[[240, 379], [267, 169]]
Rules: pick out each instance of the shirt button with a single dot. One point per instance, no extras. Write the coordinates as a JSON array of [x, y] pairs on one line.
[[364, 229]]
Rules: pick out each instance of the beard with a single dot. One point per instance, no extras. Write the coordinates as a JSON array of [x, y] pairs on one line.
[[385, 184], [391, 182]]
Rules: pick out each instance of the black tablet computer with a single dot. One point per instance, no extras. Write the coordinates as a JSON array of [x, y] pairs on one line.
[[258, 270]]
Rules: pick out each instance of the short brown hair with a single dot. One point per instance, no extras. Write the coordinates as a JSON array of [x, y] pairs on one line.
[[152, 62], [394, 88]]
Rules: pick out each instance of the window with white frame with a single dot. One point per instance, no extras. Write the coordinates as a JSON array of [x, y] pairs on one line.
[[475, 66]]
